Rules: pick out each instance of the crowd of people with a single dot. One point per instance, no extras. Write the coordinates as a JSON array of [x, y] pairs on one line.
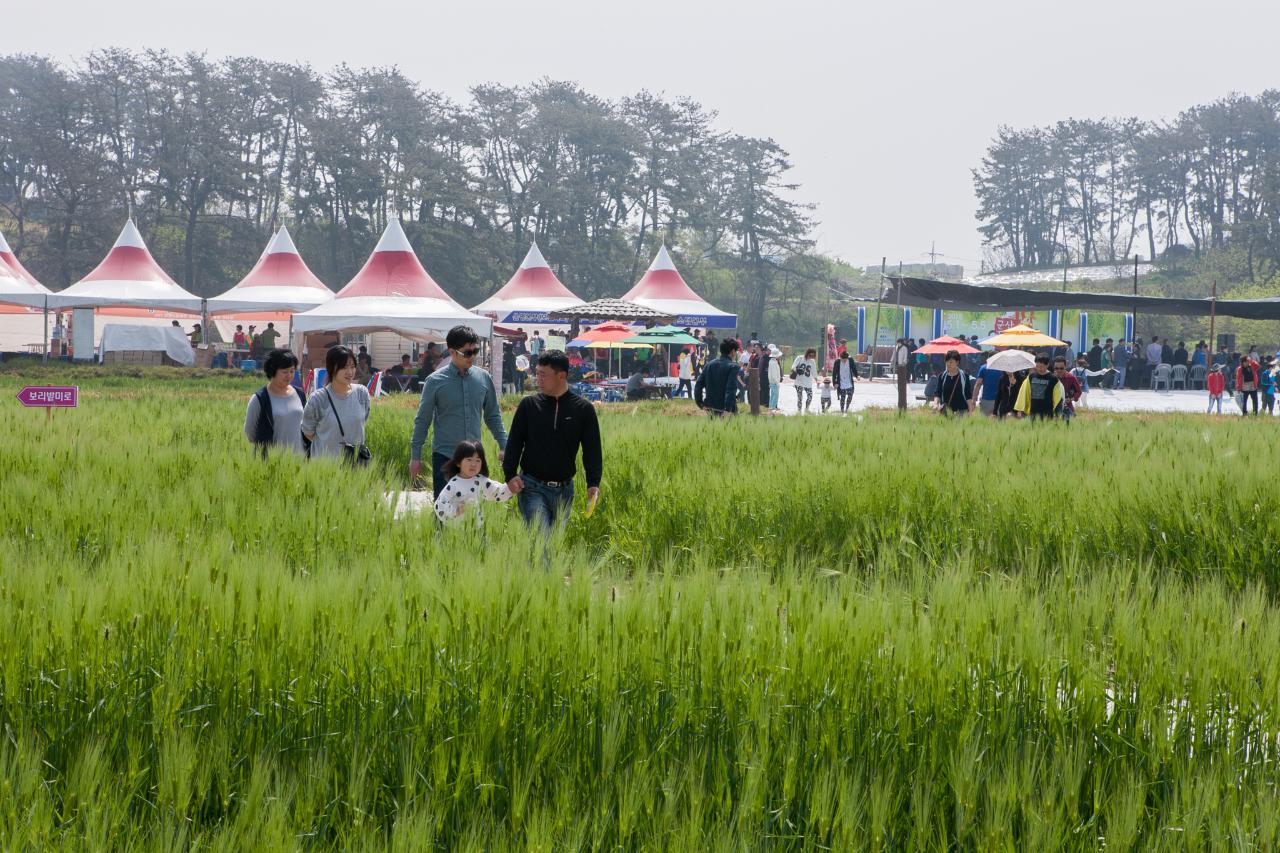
[[538, 455]]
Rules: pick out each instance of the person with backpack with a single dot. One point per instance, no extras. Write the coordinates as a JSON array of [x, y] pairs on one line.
[[955, 387], [274, 415]]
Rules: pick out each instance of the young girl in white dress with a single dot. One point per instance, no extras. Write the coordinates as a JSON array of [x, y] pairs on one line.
[[469, 483]]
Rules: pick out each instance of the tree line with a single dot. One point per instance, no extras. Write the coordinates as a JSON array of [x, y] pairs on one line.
[[1099, 190], [210, 156]]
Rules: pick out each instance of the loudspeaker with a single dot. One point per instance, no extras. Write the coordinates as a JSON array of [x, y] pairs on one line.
[[1228, 341]]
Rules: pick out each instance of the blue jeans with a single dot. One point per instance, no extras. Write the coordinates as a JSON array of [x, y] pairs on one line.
[[544, 504], [774, 387], [438, 477]]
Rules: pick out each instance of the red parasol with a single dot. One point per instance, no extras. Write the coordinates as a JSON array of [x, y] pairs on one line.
[[944, 345]]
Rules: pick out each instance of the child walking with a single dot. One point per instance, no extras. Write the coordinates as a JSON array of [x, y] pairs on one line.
[[826, 394], [469, 483], [1216, 383]]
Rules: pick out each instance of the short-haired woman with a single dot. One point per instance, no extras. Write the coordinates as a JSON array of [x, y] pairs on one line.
[[274, 416], [335, 415]]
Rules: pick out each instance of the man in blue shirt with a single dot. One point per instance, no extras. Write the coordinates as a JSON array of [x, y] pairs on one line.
[[988, 386], [455, 399]]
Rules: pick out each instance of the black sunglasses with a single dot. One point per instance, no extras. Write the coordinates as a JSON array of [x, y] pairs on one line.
[[469, 353]]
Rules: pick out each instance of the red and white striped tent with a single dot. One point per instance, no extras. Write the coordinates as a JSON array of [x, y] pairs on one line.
[[531, 294], [25, 290], [279, 281], [392, 292], [128, 275], [663, 289]]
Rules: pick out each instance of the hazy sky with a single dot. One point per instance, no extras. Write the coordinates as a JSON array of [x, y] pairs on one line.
[[884, 107]]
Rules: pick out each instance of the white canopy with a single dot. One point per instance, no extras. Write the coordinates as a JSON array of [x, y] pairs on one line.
[[17, 286], [392, 292], [15, 291], [280, 281], [531, 294], [128, 275]]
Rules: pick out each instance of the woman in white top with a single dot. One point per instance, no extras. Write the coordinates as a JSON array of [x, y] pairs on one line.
[[335, 416], [685, 372], [469, 483], [803, 370]]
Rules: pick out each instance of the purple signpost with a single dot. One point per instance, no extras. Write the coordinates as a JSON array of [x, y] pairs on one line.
[[50, 397]]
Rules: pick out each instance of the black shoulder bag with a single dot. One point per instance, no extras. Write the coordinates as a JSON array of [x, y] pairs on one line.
[[351, 454]]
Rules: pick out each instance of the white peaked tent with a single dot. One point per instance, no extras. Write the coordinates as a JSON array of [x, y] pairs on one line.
[[392, 292], [280, 281], [17, 286], [127, 276], [663, 289], [531, 294]]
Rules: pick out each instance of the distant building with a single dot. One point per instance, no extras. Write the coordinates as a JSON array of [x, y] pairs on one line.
[[937, 272]]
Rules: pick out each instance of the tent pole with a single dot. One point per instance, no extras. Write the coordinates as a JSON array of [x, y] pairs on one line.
[[46, 329], [875, 336]]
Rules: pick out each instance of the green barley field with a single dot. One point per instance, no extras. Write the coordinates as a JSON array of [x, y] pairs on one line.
[[776, 634]]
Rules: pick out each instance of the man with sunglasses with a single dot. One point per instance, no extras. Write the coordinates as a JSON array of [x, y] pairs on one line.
[[456, 399]]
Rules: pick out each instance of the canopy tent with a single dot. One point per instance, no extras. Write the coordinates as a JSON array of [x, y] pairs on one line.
[[952, 296], [663, 289], [392, 292], [15, 290], [530, 295], [673, 335], [279, 281], [611, 309], [128, 275], [944, 345], [1022, 336], [15, 267]]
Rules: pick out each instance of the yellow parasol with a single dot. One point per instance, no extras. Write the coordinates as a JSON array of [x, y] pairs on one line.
[[1023, 336]]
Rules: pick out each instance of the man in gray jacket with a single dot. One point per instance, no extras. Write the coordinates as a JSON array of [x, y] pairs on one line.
[[455, 400]]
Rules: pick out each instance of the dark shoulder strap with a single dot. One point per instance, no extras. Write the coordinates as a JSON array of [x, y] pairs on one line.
[[342, 432]]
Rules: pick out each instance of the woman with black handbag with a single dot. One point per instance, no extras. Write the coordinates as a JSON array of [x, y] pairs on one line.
[[335, 416]]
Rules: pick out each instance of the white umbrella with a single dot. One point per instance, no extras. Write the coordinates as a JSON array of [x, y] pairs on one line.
[[1012, 360]]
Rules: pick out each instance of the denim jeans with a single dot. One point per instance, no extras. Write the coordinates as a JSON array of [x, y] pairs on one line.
[[438, 477], [774, 387], [543, 503]]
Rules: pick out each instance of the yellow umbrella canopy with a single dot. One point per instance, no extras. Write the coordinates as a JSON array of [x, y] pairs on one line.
[[1023, 336]]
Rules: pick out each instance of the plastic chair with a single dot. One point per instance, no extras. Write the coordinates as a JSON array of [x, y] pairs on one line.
[[1197, 377], [1178, 376], [248, 365], [1160, 376]]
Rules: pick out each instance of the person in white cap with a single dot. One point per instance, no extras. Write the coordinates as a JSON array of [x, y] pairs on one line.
[[775, 376]]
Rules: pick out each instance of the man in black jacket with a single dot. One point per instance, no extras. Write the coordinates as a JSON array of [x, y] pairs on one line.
[[543, 442], [717, 388]]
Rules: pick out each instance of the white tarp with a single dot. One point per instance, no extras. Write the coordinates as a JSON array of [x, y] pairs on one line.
[[170, 340], [418, 318]]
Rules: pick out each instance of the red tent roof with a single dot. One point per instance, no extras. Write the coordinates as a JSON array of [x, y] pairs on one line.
[[662, 281], [533, 279], [129, 260], [281, 266], [393, 270]]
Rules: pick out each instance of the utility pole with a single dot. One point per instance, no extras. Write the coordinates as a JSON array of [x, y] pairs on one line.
[[1213, 322], [875, 336], [1066, 262], [1135, 293]]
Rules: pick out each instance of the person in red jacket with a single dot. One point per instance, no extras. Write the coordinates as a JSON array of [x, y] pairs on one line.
[[1216, 383], [1248, 378]]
